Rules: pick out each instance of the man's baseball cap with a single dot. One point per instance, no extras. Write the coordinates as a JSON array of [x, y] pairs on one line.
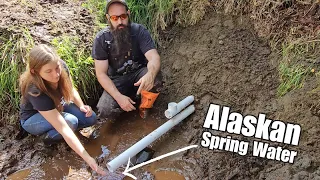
[[109, 2]]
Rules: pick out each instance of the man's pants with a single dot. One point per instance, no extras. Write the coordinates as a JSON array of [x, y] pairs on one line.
[[109, 108]]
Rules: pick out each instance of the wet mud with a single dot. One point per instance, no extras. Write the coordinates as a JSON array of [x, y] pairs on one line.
[[112, 139], [47, 19]]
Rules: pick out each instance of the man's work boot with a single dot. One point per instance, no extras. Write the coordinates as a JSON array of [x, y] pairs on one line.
[[147, 100]]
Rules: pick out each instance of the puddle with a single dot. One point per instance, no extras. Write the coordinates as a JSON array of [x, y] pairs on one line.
[[114, 138], [20, 174], [168, 175]]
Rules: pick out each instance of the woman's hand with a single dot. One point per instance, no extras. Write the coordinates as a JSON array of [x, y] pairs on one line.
[[94, 166], [86, 109]]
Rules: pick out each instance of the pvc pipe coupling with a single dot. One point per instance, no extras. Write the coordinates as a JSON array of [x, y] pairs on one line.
[[175, 108]]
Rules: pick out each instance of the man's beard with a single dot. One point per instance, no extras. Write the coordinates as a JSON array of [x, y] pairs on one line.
[[122, 39]]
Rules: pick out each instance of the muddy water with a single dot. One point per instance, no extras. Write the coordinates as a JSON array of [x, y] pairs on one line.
[[114, 138], [168, 175]]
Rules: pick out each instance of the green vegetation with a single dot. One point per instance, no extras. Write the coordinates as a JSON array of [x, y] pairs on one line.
[[297, 57], [80, 64], [97, 9], [154, 14], [13, 50], [291, 77]]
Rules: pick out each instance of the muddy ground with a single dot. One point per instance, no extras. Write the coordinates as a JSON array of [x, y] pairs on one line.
[[220, 60]]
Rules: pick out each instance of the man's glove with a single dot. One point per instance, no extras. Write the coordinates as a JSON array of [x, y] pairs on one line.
[[147, 100]]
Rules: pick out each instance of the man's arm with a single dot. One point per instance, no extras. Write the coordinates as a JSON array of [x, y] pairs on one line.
[[101, 67], [153, 62], [147, 81]]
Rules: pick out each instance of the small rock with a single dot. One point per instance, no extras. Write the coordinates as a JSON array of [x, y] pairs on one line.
[[301, 175], [221, 37], [254, 170], [147, 176], [221, 42], [229, 24], [303, 163]]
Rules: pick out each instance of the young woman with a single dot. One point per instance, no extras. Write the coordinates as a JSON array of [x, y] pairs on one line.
[[50, 105]]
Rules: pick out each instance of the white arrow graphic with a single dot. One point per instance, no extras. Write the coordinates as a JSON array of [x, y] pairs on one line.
[[127, 170]]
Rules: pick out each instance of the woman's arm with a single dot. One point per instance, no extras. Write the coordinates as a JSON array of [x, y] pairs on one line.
[[76, 98], [58, 122], [78, 101]]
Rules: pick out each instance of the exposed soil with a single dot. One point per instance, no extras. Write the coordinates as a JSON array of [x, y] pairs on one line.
[[47, 19], [220, 60]]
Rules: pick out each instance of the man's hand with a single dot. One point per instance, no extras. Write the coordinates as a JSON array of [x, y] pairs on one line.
[[146, 82], [125, 103]]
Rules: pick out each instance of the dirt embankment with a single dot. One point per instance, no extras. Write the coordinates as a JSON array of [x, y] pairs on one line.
[[220, 60]]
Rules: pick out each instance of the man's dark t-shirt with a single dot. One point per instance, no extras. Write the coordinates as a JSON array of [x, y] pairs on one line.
[[141, 43], [33, 104]]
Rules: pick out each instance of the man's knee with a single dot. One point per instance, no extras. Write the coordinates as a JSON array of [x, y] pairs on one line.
[[107, 106]]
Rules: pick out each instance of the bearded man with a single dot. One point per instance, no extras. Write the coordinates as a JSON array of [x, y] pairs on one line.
[[127, 64]]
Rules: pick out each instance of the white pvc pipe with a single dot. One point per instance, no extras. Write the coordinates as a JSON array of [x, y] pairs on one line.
[[174, 108], [143, 143]]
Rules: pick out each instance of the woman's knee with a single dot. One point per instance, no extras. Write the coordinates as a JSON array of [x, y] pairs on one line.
[[71, 120]]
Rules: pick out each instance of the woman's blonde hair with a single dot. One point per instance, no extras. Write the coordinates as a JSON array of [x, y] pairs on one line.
[[31, 82]]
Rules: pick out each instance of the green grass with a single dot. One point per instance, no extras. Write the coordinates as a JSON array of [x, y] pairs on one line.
[[80, 63], [154, 14], [96, 8], [13, 50], [291, 77], [298, 58]]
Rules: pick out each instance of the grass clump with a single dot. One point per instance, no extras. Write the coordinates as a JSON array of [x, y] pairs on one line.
[[13, 50], [80, 65], [299, 56], [97, 8], [292, 77]]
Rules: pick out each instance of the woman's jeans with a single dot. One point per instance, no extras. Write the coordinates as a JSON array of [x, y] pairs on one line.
[[76, 119]]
